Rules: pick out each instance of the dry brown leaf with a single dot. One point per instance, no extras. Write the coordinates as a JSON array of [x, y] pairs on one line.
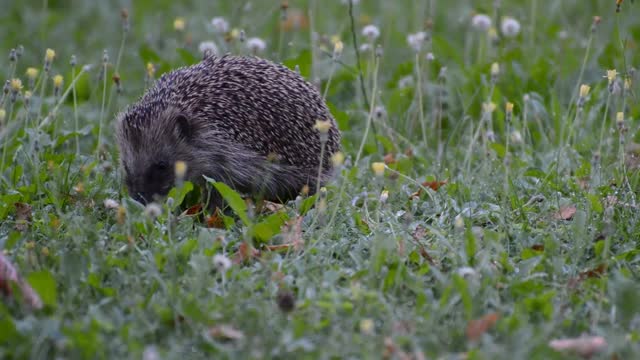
[[23, 216], [565, 212], [8, 275], [389, 159], [245, 252], [587, 274], [477, 327], [585, 346], [537, 247], [434, 185], [272, 207], [215, 220], [226, 332], [195, 209]]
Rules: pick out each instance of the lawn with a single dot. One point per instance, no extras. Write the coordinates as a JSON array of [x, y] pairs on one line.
[[485, 206]]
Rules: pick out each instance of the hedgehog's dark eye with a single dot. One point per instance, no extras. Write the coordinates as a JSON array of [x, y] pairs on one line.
[[161, 166]]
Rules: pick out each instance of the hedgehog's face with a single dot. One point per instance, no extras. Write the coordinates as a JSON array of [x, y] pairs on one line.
[[149, 153]]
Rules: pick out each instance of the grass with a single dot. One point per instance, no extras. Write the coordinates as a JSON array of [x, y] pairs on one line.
[[489, 234]]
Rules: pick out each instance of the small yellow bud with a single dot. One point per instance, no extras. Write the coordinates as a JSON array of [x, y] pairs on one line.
[[337, 48], [509, 107], [488, 107], [234, 34], [16, 85], [57, 81], [121, 214], [627, 83], [180, 169], [493, 33], [27, 95], [335, 39], [495, 69], [49, 55], [619, 117], [32, 73], [45, 251], [611, 75], [179, 24], [384, 196], [151, 70], [337, 159], [322, 126], [378, 168], [584, 90], [3, 115], [366, 326]]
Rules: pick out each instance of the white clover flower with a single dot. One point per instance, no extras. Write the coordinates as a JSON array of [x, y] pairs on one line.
[[111, 204], [220, 25], [371, 32], [416, 40], [481, 22], [153, 210], [208, 46], [221, 262], [256, 45], [510, 27]]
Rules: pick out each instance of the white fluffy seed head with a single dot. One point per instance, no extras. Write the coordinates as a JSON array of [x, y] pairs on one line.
[[220, 25], [510, 27], [256, 45], [481, 22], [221, 262], [371, 32], [416, 40], [208, 47]]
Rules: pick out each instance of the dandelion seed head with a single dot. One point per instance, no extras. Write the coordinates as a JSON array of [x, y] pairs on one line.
[[371, 32], [510, 27], [256, 45], [220, 25], [481, 22]]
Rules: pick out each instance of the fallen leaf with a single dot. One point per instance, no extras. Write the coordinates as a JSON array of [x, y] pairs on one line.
[[9, 274], [215, 220], [587, 274], [293, 233], [477, 327], [195, 209], [389, 159], [585, 346], [23, 216], [537, 247], [434, 185], [565, 212], [271, 206], [226, 332], [245, 252]]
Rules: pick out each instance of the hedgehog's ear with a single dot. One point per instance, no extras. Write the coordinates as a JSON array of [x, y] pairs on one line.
[[184, 130]]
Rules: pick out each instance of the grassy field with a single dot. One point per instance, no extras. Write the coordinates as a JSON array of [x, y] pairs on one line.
[[486, 207]]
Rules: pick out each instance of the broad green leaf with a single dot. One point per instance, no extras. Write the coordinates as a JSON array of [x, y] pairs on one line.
[[45, 285]]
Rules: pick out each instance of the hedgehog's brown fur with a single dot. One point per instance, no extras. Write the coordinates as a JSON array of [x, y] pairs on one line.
[[243, 121]]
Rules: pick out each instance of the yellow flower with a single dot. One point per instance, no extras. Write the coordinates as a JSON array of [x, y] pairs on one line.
[[378, 168], [611, 75], [151, 70], [180, 169], [488, 107], [234, 34], [32, 73], [337, 159], [27, 95], [619, 117], [584, 90], [509, 107], [179, 24], [49, 55], [15, 84], [366, 326], [3, 115], [335, 39], [338, 46], [322, 126], [627, 83], [495, 69], [57, 81]]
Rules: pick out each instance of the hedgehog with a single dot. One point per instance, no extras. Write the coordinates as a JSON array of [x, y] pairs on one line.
[[241, 120]]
